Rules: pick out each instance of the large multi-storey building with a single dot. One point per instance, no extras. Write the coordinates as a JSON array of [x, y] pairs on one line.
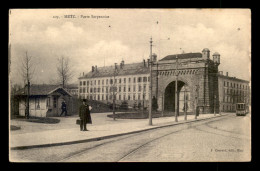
[[131, 82], [199, 83], [231, 91]]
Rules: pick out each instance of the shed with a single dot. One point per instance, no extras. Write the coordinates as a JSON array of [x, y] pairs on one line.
[[44, 100]]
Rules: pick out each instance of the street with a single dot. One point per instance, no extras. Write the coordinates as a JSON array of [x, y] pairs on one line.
[[225, 138]]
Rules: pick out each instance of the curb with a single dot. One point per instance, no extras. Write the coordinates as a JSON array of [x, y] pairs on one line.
[[106, 137]]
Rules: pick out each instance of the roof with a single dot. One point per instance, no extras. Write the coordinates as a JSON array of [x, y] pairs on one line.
[[182, 56], [72, 86], [205, 50], [127, 69], [216, 53], [232, 78], [42, 90]]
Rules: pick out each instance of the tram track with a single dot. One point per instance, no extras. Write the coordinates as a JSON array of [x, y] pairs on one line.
[[132, 151]]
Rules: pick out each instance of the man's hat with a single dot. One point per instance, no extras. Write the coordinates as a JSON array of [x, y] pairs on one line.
[[84, 100]]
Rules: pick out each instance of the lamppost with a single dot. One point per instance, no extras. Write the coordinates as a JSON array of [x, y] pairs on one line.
[[150, 86], [176, 89], [197, 101], [215, 105], [185, 104], [113, 90]]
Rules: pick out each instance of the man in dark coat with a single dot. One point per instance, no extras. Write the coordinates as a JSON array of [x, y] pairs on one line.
[[63, 108], [84, 114], [197, 111]]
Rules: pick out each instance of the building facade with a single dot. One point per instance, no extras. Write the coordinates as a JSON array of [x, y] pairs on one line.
[[196, 74], [127, 82], [231, 91]]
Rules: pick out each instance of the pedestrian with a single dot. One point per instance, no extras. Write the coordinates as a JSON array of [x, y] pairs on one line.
[[84, 114], [197, 111], [63, 108]]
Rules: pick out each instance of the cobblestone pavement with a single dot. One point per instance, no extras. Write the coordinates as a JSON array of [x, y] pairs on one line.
[[219, 139]]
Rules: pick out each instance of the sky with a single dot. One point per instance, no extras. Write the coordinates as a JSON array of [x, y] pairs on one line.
[[88, 40]]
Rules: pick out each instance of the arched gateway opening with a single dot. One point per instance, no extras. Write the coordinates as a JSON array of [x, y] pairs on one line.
[[183, 98]]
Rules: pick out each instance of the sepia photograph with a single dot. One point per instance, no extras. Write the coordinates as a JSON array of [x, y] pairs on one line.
[[129, 85]]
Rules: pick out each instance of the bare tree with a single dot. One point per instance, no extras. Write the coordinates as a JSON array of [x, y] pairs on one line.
[[27, 72], [64, 70]]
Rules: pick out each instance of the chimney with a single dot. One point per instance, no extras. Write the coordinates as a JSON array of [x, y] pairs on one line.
[[148, 62], [123, 62], [121, 66], [115, 66], [227, 74], [96, 68], [93, 68], [144, 62]]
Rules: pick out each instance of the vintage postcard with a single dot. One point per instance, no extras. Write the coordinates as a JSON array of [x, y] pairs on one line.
[[129, 85]]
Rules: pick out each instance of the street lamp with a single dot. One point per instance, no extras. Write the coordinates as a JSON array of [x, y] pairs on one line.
[[197, 101], [113, 90], [150, 86], [185, 104], [215, 105], [176, 89]]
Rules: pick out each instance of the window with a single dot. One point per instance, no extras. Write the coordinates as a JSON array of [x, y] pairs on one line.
[[102, 90], [106, 81], [139, 96], [84, 83], [134, 79], [124, 96], [102, 97], [98, 82], [98, 97], [224, 83], [87, 89], [134, 88], [139, 79], [119, 89], [144, 79], [124, 80], [148, 79], [227, 83], [90, 90], [95, 82], [120, 80], [129, 89], [84, 89], [129, 80], [128, 97], [102, 82], [134, 97], [139, 88], [106, 97], [87, 82], [119, 97], [124, 89], [98, 90], [48, 101], [95, 90], [80, 83], [115, 81], [80, 90], [144, 88], [111, 81]]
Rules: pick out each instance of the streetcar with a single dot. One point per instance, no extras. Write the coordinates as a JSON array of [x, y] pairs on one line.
[[241, 109]]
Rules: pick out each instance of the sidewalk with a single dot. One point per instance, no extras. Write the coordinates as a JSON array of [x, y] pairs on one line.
[[107, 129]]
